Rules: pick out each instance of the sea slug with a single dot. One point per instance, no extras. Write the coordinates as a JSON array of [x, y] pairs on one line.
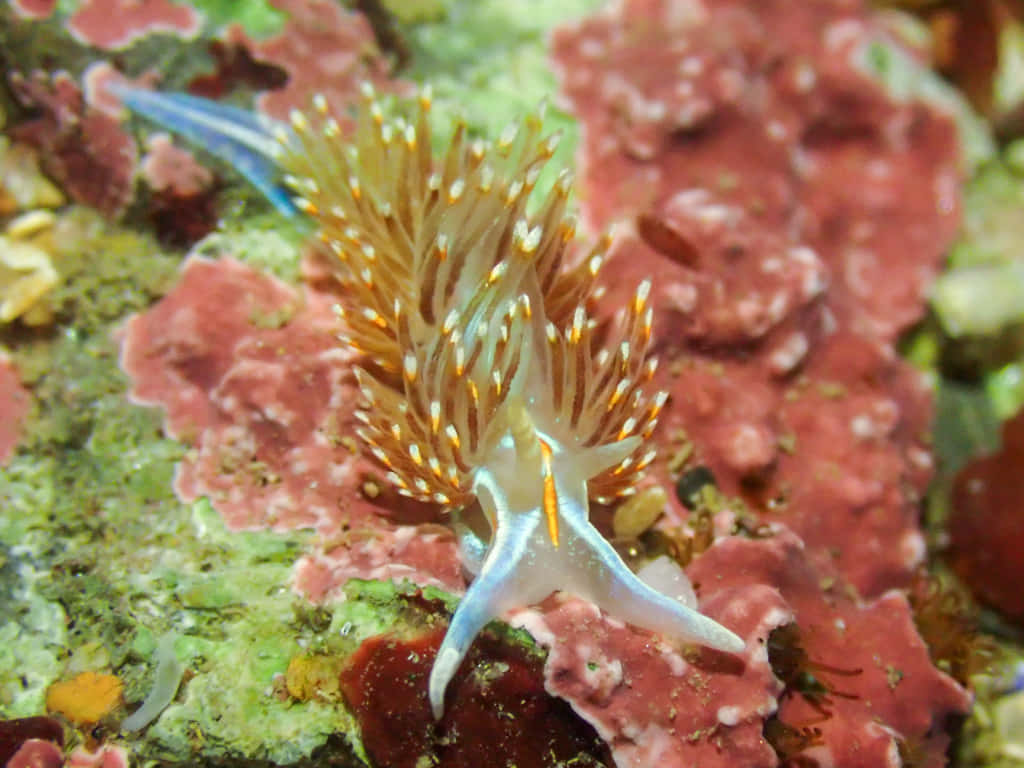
[[490, 388]]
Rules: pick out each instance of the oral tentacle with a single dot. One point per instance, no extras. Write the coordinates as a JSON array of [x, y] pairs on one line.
[[242, 139]]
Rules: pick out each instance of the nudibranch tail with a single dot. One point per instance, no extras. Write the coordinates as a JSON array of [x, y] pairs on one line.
[[488, 384]]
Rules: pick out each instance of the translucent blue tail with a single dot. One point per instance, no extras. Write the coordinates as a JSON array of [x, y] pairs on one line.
[[242, 139]]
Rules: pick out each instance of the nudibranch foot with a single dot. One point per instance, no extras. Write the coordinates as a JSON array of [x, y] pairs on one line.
[[523, 566], [503, 582]]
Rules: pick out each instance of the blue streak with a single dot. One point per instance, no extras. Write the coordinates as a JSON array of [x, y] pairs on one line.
[[242, 139]]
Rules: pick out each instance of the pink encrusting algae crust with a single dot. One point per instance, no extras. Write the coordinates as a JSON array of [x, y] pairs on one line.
[[36, 753], [14, 405], [169, 168], [778, 360], [250, 374], [795, 214], [657, 707], [324, 48], [33, 9], [115, 24], [83, 149]]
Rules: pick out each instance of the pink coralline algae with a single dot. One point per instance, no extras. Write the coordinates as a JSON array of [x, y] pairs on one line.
[[324, 48], [767, 111], [33, 9], [182, 201], [14, 405], [82, 148], [780, 289], [168, 168], [36, 753], [250, 374], [106, 756], [795, 214], [655, 706], [113, 25]]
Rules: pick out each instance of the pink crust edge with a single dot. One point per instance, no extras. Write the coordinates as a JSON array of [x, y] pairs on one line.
[[98, 75], [15, 402], [37, 753], [113, 25], [34, 10], [167, 167], [105, 756]]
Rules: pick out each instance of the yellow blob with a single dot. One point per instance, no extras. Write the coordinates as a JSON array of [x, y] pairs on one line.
[[85, 699], [310, 677], [26, 276]]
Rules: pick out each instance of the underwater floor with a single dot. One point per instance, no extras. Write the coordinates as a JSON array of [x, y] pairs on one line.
[[221, 545]]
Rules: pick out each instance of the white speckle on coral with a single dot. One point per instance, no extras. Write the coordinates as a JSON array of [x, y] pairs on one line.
[[920, 458], [337, 473], [777, 307], [600, 675], [681, 297], [859, 267], [789, 353], [684, 89], [768, 707], [776, 130], [776, 618], [861, 426], [691, 66], [592, 48], [748, 447], [671, 657], [804, 77], [729, 716], [842, 33], [912, 548]]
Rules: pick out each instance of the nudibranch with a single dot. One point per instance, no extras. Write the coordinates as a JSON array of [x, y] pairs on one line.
[[487, 383]]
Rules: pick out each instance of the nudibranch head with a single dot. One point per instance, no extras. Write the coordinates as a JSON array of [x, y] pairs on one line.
[[487, 380]]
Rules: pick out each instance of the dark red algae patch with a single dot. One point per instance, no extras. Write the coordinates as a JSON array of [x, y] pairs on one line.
[[14, 733], [986, 528], [498, 713]]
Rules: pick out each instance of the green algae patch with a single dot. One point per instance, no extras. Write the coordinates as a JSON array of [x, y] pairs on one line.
[[257, 17], [487, 63], [979, 300], [32, 632], [272, 246], [237, 617], [906, 79]]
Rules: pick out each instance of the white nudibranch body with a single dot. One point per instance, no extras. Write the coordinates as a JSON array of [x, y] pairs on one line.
[[485, 382]]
